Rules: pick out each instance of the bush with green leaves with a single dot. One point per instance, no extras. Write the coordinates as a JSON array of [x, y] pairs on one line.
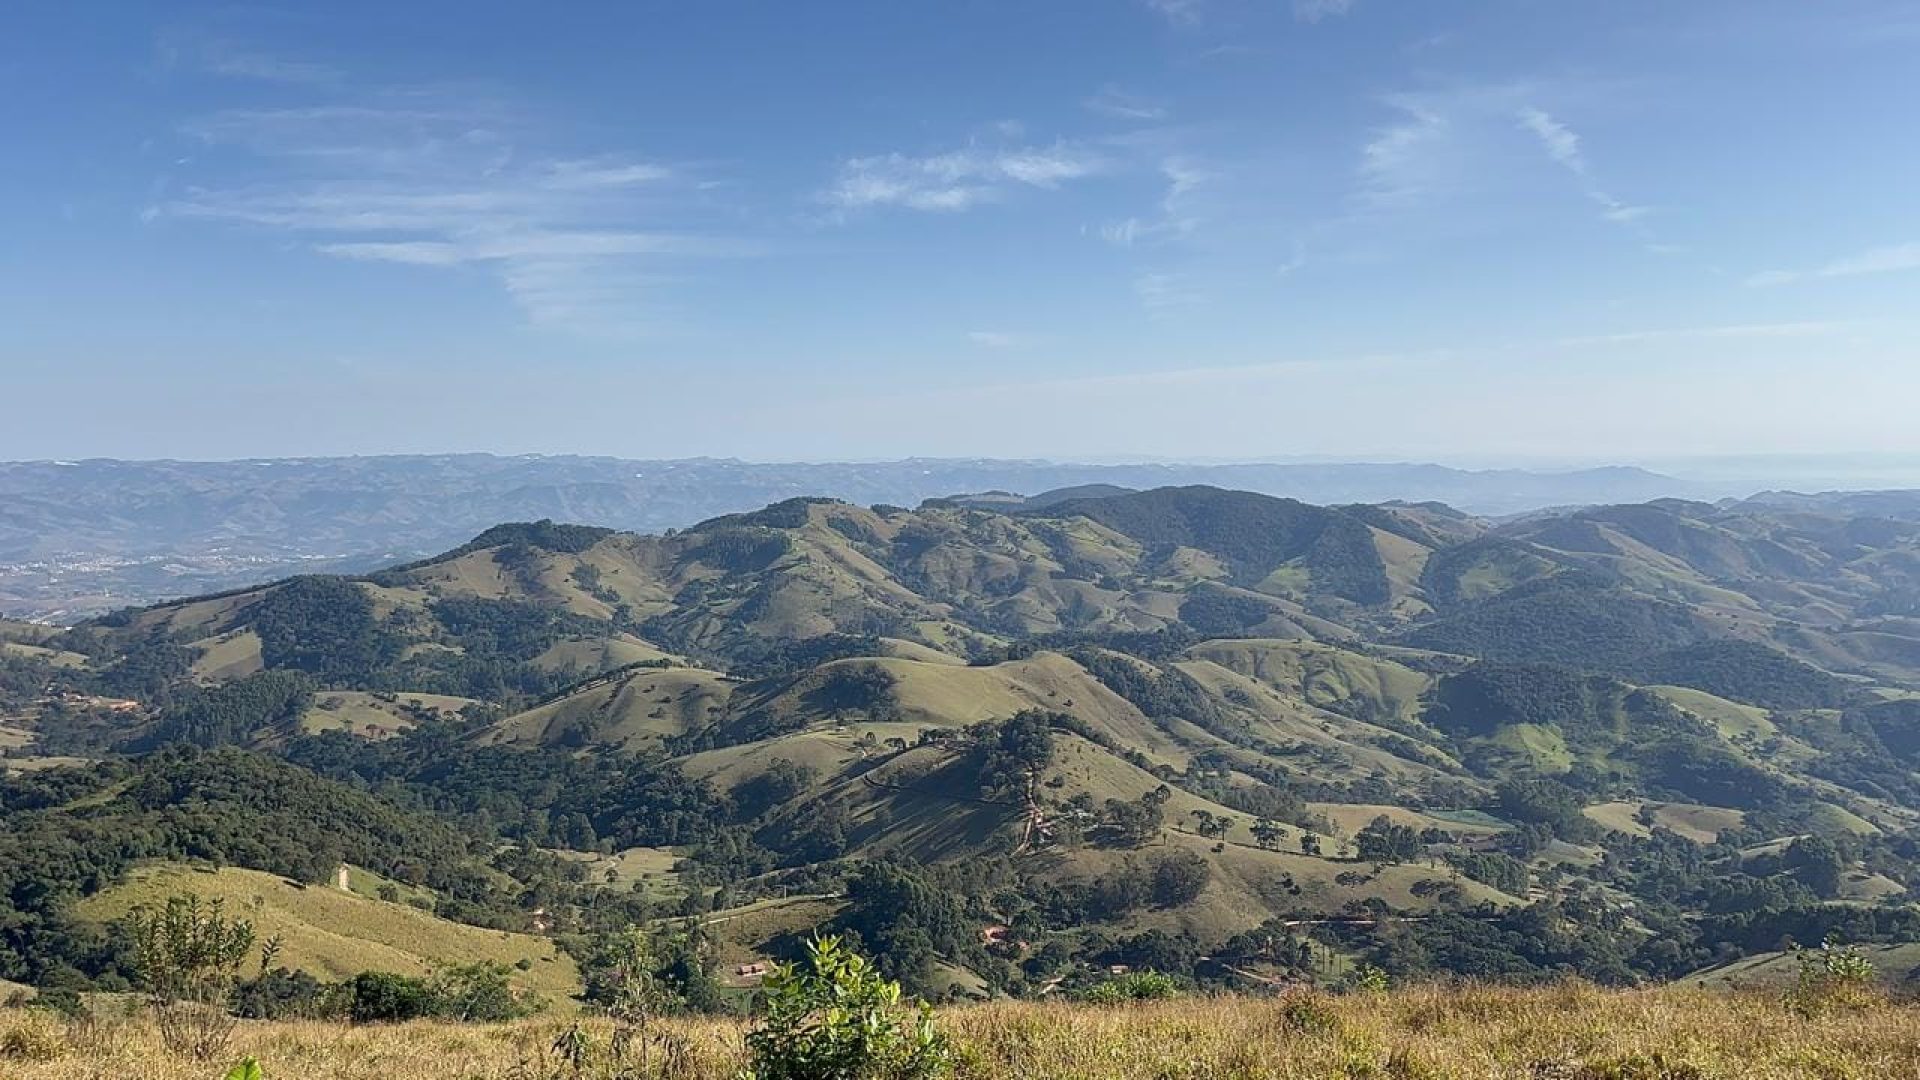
[[1367, 979], [1308, 1013], [475, 993], [1133, 986], [1833, 976], [834, 1017], [189, 956]]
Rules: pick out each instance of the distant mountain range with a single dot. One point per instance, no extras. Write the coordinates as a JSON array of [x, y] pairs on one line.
[[81, 537]]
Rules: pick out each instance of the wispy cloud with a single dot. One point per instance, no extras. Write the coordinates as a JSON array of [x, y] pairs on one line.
[[1176, 218], [1315, 10], [958, 179], [1396, 161], [1000, 339], [451, 178], [1112, 101], [1296, 261], [218, 56], [1454, 152], [1163, 292], [1563, 146], [1884, 260], [591, 175], [1189, 12], [1176, 11]]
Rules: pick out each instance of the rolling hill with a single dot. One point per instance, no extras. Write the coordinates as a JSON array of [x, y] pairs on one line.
[[1111, 716], [331, 933]]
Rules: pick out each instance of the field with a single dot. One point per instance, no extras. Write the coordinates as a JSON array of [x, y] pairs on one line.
[[333, 934], [1701, 824], [1897, 964], [1569, 1032]]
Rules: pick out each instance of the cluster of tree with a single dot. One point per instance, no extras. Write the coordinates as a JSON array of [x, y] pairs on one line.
[[510, 630], [1130, 823], [661, 970], [741, 549], [910, 919], [762, 657], [1699, 768], [228, 714], [1541, 942], [1157, 646], [865, 688], [1012, 752], [544, 535], [542, 795], [1551, 804], [1873, 748], [1744, 671], [1385, 841], [1491, 695], [1216, 611], [1574, 619], [1161, 693], [1492, 868], [324, 626], [226, 807], [467, 993], [782, 780], [1254, 534]]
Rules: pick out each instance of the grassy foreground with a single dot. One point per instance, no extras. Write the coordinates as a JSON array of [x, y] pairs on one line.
[[1563, 1033]]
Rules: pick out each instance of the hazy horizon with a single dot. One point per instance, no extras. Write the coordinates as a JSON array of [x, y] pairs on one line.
[[1812, 471]]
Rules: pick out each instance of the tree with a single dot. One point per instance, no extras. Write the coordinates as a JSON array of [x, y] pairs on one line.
[[1383, 841], [374, 997], [1211, 825], [1309, 843], [1013, 751], [476, 993], [1179, 878], [189, 957], [1139, 821], [1268, 833], [783, 780], [1819, 864], [833, 1017]]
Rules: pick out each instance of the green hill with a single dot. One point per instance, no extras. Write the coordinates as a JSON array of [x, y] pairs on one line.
[[333, 934], [1132, 724]]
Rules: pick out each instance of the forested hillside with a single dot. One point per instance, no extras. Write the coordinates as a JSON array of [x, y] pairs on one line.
[[1003, 745]]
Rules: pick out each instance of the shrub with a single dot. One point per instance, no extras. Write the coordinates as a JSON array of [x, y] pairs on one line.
[[1367, 979], [373, 997], [477, 993], [1309, 1014], [1834, 976], [1137, 986], [833, 1017], [188, 957], [38, 1037]]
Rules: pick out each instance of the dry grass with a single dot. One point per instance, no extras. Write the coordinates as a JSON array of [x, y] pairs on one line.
[[335, 935], [1564, 1033]]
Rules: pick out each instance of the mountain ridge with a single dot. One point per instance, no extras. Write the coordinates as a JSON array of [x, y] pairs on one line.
[[78, 538]]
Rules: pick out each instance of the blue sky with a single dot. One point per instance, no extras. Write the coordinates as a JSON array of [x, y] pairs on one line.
[[1076, 228]]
